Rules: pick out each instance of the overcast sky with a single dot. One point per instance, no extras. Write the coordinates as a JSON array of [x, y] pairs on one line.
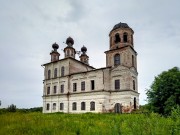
[[29, 28]]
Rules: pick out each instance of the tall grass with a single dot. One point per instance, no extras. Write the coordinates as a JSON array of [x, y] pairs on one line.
[[87, 124]]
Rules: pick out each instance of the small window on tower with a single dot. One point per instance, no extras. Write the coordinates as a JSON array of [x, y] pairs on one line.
[[55, 90], [62, 88], [49, 74], [62, 71], [92, 85], [55, 72], [117, 38], [83, 85], [134, 86], [74, 87], [117, 84], [125, 35], [133, 60], [48, 90], [116, 59]]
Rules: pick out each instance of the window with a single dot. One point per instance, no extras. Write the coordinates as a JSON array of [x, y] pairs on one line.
[[61, 106], [83, 86], [54, 106], [125, 37], [49, 74], [62, 71], [92, 85], [62, 88], [55, 72], [134, 102], [74, 87], [117, 84], [55, 89], [48, 90], [134, 85], [133, 60], [74, 106], [47, 106], [116, 59], [92, 106], [117, 38], [83, 106]]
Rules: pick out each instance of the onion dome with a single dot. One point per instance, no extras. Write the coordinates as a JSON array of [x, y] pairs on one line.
[[83, 49], [55, 46], [70, 41], [120, 25]]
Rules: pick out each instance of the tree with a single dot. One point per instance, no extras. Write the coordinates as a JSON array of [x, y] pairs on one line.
[[164, 93], [11, 108]]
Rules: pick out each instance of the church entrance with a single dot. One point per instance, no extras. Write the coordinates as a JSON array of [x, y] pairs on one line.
[[117, 108]]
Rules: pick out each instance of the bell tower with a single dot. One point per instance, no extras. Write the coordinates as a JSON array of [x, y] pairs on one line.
[[84, 58], [54, 53], [69, 51], [121, 50]]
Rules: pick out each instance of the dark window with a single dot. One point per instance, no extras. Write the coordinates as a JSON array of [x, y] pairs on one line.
[[55, 89], [82, 86], [61, 106], [62, 71], [83, 106], [117, 38], [47, 106], [48, 90], [49, 74], [92, 106], [74, 87], [134, 86], [134, 102], [68, 53], [62, 88], [125, 37], [54, 106], [133, 60], [74, 106], [117, 84], [116, 59], [55, 72], [92, 85]]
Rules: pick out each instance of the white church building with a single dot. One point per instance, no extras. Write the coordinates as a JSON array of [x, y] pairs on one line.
[[73, 86]]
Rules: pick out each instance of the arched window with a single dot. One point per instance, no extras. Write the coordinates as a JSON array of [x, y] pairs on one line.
[[55, 72], [61, 106], [92, 106], [125, 35], [134, 102], [133, 60], [47, 106], [54, 106], [68, 53], [134, 86], [62, 71], [116, 59], [49, 74], [83, 106], [74, 106], [132, 39], [117, 38]]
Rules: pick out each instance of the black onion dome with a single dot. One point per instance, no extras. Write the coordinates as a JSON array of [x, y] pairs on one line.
[[55, 46], [83, 49], [69, 40], [120, 25]]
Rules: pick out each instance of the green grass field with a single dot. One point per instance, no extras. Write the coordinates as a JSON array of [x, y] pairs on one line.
[[36, 123]]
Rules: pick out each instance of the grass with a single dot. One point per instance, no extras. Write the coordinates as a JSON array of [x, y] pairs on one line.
[[36, 123]]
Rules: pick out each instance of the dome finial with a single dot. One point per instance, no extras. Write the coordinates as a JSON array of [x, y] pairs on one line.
[[69, 41]]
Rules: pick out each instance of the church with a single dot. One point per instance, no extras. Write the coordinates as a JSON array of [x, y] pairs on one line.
[[73, 86]]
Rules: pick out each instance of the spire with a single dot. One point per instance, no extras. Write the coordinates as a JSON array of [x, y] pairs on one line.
[[84, 58], [54, 54]]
